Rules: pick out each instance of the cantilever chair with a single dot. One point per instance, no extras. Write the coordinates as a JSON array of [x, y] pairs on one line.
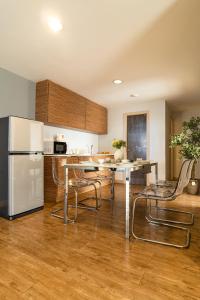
[[74, 184], [166, 192], [100, 177], [80, 176]]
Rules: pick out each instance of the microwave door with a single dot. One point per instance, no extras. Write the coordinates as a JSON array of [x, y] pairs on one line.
[[60, 147]]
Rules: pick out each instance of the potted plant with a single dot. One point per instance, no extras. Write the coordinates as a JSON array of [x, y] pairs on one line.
[[188, 141], [118, 145]]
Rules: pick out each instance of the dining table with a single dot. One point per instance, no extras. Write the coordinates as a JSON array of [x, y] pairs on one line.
[[128, 169]]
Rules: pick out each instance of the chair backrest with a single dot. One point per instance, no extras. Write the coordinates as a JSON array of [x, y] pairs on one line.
[[55, 176], [78, 174], [57, 163], [184, 176]]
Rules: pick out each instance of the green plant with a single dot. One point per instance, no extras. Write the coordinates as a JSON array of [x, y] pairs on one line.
[[188, 139], [118, 144]]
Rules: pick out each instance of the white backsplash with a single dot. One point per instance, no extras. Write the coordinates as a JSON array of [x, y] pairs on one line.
[[77, 142]]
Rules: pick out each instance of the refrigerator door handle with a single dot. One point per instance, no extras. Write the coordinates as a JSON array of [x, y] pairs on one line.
[[26, 153]]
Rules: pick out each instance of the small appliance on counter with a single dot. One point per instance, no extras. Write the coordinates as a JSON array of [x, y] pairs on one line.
[[60, 145], [21, 166], [55, 145]]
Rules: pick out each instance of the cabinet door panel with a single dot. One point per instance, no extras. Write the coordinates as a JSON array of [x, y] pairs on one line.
[[96, 118], [65, 107]]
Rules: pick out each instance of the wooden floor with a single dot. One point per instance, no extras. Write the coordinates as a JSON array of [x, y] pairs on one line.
[[40, 258]]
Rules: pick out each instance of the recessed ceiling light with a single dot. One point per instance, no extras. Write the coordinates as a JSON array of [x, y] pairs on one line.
[[134, 95], [55, 24], [117, 81]]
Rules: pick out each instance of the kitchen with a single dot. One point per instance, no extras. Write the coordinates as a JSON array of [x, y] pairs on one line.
[[37, 139]]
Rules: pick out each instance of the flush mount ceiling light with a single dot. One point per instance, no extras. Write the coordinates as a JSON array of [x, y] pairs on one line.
[[117, 81], [55, 24], [134, 95]]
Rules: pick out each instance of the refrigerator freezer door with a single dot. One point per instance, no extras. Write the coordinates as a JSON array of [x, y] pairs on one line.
[[25, 183], [25, 135]]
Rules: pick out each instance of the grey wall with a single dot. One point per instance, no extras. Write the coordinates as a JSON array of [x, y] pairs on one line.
[[17, 95]]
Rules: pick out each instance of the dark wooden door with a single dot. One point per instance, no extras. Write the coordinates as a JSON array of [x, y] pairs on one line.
[[137, 142]]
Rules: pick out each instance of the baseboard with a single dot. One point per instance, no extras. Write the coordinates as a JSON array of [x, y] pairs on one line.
[[24, 213]]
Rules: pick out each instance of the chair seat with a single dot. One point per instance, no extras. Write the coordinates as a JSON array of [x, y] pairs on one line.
[[80, 182], [154, 191], [165, 183], [101, 177]]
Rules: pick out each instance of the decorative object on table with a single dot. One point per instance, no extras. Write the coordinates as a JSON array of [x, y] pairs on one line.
[[119, 145], [188, 141], [108, 160], [125, 161], [193, 186], [101, 161]]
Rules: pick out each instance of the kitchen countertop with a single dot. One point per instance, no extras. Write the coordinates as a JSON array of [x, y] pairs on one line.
[[78, 155]]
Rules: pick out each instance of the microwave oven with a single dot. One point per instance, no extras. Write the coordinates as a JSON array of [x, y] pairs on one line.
[[59, 147]]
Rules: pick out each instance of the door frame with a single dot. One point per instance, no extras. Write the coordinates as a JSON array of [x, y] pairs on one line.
[[125, 117]]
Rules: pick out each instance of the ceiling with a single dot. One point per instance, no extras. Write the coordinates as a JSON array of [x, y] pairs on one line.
[[153, 46]]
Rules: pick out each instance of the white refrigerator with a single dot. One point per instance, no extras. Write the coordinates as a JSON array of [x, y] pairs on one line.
[[21, 166]]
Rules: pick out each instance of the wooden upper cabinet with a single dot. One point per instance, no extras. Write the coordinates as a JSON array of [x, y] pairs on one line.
[[96, 118], [66, 107], [58, 106]]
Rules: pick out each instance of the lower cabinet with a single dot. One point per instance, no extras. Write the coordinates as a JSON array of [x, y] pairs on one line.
[[54, 193]]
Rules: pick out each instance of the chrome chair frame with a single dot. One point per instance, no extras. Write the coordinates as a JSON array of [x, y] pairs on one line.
[[100, 178], [112, 186], [75, 185], [88, 182], [166, 222], [172, 185], [54, 212], [172, 221]]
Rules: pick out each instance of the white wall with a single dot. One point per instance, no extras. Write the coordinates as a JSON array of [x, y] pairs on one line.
[[17, 95], [178, 118], [187, 114], [167, 139], [76, 140], [157, 139]]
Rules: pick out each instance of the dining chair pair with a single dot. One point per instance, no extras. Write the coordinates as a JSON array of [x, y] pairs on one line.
[[81, 180], [165, 192]]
